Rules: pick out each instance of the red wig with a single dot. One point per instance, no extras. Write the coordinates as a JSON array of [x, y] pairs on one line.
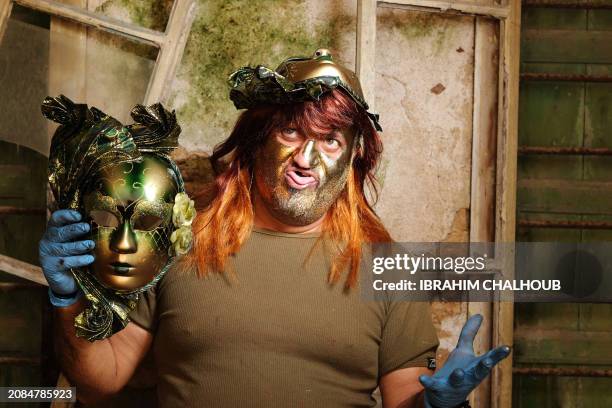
[[225, 223]]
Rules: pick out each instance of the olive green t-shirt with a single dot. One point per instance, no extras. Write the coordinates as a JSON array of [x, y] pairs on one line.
[[275, 333]]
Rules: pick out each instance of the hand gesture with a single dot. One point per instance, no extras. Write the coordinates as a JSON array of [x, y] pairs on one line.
[[463, 371]]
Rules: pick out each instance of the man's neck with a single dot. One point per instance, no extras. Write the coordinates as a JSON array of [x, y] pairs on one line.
[[265, 220]]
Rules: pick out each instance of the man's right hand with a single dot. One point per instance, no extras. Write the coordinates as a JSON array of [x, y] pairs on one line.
[[59, 250]]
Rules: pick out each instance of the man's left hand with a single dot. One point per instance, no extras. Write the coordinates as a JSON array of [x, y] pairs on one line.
[[463, 371]]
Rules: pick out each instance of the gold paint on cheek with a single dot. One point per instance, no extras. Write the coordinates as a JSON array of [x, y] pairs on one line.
[[271, 162]]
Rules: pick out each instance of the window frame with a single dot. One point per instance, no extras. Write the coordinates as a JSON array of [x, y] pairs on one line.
[[170, 43]]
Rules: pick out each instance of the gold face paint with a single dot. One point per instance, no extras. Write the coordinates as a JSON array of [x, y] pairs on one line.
[[299, 190], [131, 216]]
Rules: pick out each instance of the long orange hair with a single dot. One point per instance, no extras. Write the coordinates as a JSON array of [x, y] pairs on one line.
[[222, 226]]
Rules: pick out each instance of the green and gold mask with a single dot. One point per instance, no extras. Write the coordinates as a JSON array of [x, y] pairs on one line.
[[130, 211], [124, 183]]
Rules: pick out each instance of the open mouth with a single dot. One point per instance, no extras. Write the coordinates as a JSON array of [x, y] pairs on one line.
[[300, 179], [122, 267]]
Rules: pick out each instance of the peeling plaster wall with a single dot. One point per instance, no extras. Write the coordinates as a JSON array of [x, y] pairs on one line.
[[424, 82], [424, 66]]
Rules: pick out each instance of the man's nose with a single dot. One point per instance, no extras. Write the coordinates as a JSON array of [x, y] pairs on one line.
[[123, 240], [308, 156]]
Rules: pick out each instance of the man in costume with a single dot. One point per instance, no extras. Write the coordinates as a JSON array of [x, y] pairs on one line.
[[265, 310]]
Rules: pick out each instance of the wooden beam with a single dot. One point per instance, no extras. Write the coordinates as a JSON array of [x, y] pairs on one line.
[[482, 189], [563, 371], [365, 61], [580, 4], [505, 227], [484, 133], [19, 360], [13, 286], [5, 13], [565, 196], [10, 210], [571, 46], [22, 269], [67, 58], [93, 19], [437, 6], [171, 52], [562, 347]]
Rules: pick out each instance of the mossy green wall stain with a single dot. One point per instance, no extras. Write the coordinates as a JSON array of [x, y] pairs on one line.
[[151, 14], [227, 35], [417, 25]]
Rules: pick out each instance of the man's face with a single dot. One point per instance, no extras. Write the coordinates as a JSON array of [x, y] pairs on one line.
[[299, 176], [131, 216]]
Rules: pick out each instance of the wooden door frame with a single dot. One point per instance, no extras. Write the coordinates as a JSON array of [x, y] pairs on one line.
[[494, 154]]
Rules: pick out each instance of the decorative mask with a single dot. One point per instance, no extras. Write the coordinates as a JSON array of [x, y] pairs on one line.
[[123, 181], [130, 209]]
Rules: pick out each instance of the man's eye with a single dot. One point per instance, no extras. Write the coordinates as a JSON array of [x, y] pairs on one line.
[[289, 131], [333, 143], [146, 222], [104, 218]]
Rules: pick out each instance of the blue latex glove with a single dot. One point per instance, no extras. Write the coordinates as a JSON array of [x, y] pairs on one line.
[[463, 371], [59, 251]]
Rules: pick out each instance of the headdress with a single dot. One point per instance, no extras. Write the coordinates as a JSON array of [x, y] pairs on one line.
[[296, 79]]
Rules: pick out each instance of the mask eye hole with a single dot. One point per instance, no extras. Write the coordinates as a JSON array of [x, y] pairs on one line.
[[104, 218], [146, 222]]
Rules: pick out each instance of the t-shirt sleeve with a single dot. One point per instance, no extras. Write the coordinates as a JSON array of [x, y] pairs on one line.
[[144, 314], [409, 338]]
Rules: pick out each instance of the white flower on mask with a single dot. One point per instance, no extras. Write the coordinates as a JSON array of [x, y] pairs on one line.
[[183, 211], [181, 240], [183, 214]]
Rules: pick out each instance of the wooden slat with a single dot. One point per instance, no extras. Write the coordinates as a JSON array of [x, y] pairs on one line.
[[505, 227], [10, 210], [565, 150], [67, 58], [171, 52], [545, 76], [538, 346], [366, 49], [566, 224], [563, 371], [591, 5], [92, 19], [13, 286], [19, 360], [474, 9], [594, 47], [484, 148], [484, 137], [565, 196], [22, 269]]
